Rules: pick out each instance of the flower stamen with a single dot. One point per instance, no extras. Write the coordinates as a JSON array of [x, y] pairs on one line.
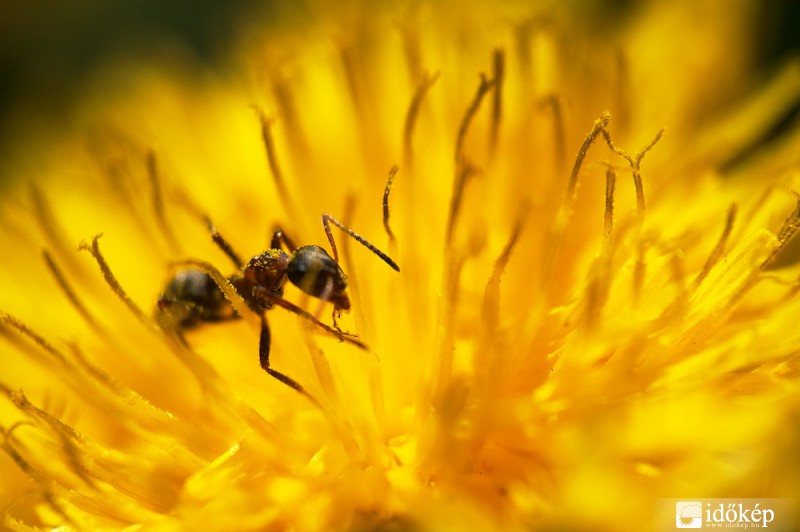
[[111, 280], [42, 479], [483, 89], [599, 127], [70, 438], [424, 86], [158, 198], [467, 171], [600, 272], [787, 231], [274, 166], [491, 294], [635, 163], [719, 248], [555, 105], [10, 321], [556, 233], [498, 76], [608, 212], [51, 228], [386, 191], [72, 296]]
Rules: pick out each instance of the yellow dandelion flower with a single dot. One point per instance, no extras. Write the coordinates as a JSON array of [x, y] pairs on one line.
[[592, 312]]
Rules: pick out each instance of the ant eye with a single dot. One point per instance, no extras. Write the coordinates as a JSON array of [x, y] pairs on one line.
[[312, 270]]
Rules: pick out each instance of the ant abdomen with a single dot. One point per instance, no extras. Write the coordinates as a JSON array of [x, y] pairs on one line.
[[191, 297], [315, 272]]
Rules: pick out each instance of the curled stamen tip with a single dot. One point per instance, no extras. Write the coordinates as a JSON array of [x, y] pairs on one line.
[[257, 109], [88, 247]]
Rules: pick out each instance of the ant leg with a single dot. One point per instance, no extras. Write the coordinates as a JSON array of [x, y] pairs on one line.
[[327, 219], [324, 297], [278, 237], [224, 245], [264, 343], [261, 292]]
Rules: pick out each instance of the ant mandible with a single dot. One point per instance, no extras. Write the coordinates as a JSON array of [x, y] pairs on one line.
[[192, 297]]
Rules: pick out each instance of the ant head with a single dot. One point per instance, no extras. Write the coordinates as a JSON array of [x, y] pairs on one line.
[[314, 272]]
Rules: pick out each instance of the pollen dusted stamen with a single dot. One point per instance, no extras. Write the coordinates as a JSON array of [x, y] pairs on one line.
[[102, 377], [498, 75], [635, 164], [8, 448], [411, 117], [555, 105], [459, 185], [464, 169], [491, 294], [71, 439], [14, 323], [72, 296], [130, 396], [557, 231], [599, 126], [608, 211], [158, 198], [787, 231], [46, 484], [50, 226], [719, 248], [69, 436], [111, 280], [483, 89], [386, 192], [274, 166], [600, 275]]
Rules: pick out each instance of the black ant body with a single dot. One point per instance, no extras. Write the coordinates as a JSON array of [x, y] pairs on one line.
[[192, 297]]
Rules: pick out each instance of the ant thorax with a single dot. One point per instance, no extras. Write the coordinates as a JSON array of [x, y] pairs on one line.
[[263, 275]]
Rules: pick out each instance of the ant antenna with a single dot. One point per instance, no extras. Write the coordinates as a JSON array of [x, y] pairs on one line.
[[327, 219], [279, 237], [223, 244]]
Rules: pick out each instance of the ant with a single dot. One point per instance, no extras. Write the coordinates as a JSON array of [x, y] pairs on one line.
[[192, 297]]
